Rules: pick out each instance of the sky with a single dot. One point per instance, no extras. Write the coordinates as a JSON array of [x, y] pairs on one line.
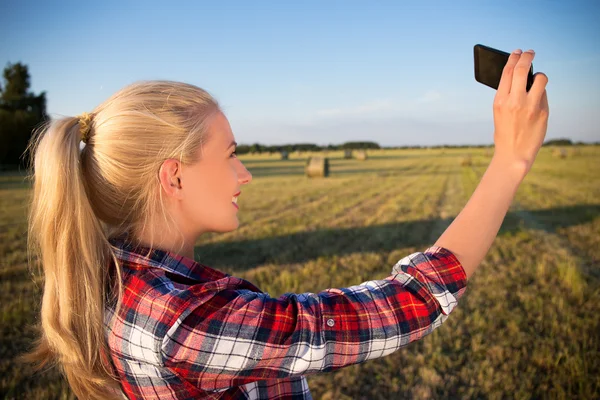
[[326, 72]]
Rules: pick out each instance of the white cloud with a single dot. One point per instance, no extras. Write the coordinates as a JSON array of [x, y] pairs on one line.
[[372, 107], [381, 107], [429, 96]]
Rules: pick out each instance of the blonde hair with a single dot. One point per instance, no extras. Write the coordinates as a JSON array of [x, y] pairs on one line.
[[83, 198]]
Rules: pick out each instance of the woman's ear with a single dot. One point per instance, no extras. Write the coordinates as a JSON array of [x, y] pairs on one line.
[[170, 177]]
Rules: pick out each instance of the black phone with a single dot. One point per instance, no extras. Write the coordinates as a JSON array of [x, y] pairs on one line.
[[489, 63]]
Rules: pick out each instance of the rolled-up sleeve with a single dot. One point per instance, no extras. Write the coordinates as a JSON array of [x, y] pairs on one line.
[[234, 337]]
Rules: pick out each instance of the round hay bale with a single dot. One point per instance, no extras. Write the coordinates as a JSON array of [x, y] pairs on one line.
[[317, 167], [559, 152], [361, 155], [284, 155], [466, 161], [574, 151], [347, 154]]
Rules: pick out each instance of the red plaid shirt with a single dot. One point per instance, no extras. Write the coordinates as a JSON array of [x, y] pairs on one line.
[[187, 331]]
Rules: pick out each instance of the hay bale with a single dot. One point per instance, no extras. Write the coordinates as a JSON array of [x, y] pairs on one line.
[[317, 167], [466, 161], [347, 154], [361, 155], [574, 151], [284, 155], [560, 152]]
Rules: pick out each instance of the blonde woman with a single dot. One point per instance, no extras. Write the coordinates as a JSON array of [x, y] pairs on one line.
[[126, 310]]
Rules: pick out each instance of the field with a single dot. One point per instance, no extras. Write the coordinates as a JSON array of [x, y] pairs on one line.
[[527, 327]]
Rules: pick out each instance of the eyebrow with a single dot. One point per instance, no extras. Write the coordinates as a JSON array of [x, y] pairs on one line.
[[233, 143]]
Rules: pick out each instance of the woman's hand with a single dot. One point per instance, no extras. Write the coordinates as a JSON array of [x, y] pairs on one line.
[[520, 117]]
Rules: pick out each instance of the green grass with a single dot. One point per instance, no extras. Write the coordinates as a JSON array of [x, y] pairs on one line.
[[527, 327]]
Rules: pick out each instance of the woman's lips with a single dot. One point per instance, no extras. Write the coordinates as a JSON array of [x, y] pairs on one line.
[[234, 202]]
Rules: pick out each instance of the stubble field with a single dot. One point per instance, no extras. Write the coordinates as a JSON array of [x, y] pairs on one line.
[[528, 325]]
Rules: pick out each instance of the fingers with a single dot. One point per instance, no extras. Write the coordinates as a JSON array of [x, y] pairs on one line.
[[519, 81], [540, 80], [544, 103], [507, 73]]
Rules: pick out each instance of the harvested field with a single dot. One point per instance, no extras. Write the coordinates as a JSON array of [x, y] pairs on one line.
[[528, 325]]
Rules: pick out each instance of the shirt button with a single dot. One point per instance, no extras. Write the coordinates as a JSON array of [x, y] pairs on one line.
[[330, 322]]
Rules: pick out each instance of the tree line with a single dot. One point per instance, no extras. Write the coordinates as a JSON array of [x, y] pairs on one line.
[[258, 148], [261, 148]]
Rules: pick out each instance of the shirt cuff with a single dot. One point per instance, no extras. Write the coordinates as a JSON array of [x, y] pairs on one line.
[[440, 271]]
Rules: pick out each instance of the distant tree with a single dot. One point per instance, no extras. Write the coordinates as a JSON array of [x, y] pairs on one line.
[[360, 145], [242, 149], [558, 142], [20, 112], [17, 81], [254, 148]]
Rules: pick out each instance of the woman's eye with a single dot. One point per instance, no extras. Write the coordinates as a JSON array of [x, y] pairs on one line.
[[233, 154]]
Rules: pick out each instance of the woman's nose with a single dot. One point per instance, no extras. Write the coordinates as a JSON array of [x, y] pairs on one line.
[[245, 176]]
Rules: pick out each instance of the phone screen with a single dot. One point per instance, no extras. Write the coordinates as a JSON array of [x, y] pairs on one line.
[[489, 64]]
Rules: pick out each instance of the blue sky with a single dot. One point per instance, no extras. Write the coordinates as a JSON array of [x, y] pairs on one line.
[[398, 73]]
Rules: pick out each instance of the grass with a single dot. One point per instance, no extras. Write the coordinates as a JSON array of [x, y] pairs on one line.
[[527, 327]]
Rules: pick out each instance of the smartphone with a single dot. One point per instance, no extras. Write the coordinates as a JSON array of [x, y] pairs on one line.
[[489, 63]]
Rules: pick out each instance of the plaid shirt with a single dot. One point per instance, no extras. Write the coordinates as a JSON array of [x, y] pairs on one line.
[[187, 331]]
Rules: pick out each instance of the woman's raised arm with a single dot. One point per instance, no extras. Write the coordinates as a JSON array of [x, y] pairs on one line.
[[520, 122]]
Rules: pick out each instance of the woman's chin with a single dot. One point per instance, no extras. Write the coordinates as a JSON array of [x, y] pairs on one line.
[[231, 226]]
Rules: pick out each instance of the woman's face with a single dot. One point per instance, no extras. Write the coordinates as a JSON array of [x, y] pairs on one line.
[[210, 187]]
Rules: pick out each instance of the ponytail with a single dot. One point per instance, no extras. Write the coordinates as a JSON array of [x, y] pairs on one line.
[[70, 243]]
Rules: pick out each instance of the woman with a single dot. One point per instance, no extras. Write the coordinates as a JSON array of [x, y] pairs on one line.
[[126, 310]]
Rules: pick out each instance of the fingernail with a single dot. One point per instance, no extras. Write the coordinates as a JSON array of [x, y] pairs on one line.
[[517, 51], [531, 51]]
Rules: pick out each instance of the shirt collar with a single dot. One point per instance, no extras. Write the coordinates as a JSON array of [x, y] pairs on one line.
[[137, 256]]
